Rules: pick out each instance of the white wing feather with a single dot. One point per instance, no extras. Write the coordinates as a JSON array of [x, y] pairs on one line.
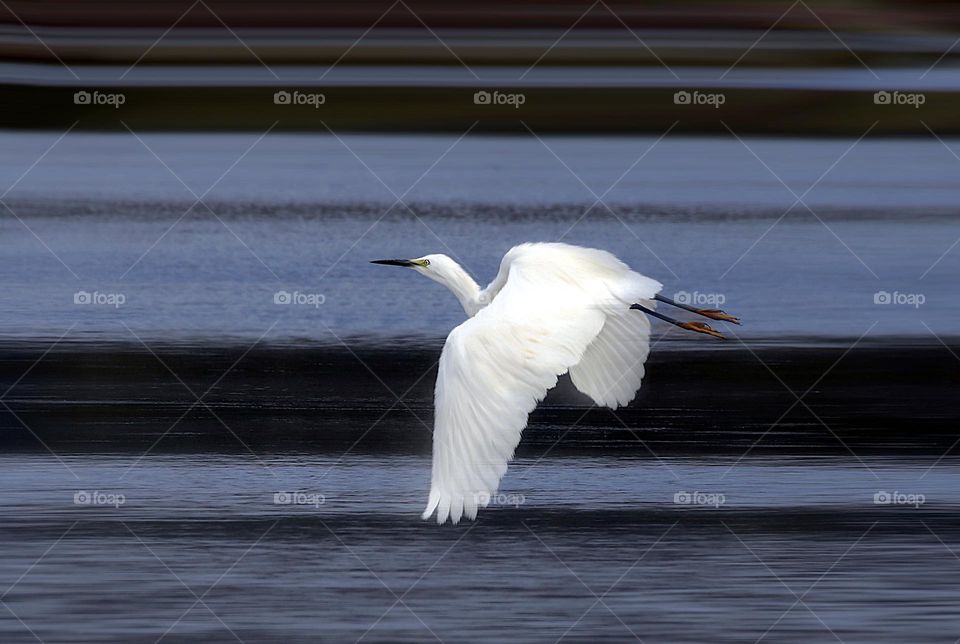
[[554, 302], [611, 369]]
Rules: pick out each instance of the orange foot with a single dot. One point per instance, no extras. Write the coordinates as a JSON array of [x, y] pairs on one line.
[[701, 327], [717, 314]]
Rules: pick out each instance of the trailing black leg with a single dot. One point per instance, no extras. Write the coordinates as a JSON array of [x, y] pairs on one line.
[[699, 327], [713, 314]]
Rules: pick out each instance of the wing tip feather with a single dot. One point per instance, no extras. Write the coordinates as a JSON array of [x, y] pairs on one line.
[[454, 507]]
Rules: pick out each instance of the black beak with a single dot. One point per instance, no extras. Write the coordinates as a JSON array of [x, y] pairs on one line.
[[394, 262]]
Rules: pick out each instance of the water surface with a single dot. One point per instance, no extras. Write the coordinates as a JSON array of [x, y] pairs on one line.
[[797, 483]]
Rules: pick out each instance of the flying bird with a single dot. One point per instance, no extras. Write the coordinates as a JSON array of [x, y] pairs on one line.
[[552, 309]]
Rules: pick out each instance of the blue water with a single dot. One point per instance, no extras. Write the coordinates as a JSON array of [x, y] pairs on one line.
[[128, 516], [300, 213], [570, 530]]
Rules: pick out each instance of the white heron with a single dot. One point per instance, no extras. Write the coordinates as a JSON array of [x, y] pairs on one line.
[[552, 309]]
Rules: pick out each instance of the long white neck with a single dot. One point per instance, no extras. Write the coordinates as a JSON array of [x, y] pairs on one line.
[[464, 287]]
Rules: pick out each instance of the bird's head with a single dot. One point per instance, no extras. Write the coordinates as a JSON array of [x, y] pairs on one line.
[[444, 270], [439, 268]]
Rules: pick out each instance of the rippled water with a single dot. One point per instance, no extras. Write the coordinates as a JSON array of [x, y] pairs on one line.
[[716, 507], [583, 528], [301, 214], [290, 504]]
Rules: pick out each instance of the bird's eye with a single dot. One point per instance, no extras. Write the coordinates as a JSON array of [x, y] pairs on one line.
[[426, 262]]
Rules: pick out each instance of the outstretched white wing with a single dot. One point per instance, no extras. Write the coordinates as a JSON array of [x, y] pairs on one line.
[[611, 369], [498, 365]]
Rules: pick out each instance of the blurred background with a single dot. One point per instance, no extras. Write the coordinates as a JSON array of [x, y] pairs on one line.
[[191, 192], [801, 67], [200, 157]]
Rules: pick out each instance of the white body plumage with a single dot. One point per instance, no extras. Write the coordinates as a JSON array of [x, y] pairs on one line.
[[553, 308]]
